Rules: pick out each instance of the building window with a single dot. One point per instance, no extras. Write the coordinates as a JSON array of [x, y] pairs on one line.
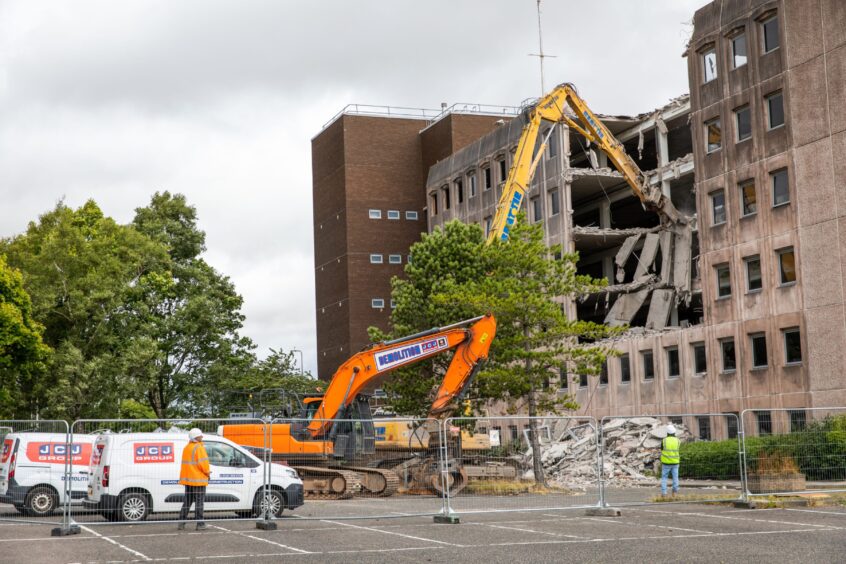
[[375, 214], [603, 374], [718, 207], [775, 110], [393, 214], [625, 369], [787, 266], [673, 368], [759, 350], [408, 259], [700, 359], [765, 422], [471, 181], [486, 172], [447, 202], [753, 274], [563, 380], [731, 425], [377, 303], [503, 172], [488, 221], [743, 120], [393, 304], [792, 346], [798, 420], [709, 64], [727, 350], [713, 135], [459, 190], [434, 199], [375, 259], [781, 191], [513, 433], [704, 424], [411, 215], [648, 365], [554, 203], [738, 49], [583, 380], [771, 40], [748, 198], [723, 280], [395, 259], [536, 209]]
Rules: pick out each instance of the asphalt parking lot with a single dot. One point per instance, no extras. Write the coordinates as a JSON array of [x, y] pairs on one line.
[[654, 533]]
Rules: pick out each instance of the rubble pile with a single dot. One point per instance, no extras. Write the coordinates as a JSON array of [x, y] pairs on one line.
[[632, 448]]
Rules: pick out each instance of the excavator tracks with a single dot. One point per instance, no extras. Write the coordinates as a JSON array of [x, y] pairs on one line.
[[329, 483], [377, 481]]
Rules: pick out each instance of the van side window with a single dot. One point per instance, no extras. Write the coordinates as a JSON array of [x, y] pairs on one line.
[[221, 454]]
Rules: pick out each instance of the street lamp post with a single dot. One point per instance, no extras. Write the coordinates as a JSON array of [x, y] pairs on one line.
[[302, 371]]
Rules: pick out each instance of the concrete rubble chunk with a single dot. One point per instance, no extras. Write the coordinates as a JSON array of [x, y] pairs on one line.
[[623, 255], [647, 255]]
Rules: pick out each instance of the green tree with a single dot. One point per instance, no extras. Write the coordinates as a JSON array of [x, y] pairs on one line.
[[22, 352], [79, 267], [523, 285], [190, 315]]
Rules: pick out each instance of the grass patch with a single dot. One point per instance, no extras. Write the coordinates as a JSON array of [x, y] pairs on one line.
[[716, 498], [507, 487]]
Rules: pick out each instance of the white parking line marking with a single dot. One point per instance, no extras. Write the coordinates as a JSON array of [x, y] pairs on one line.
[[268, 541], [666, 527], [720, 516], [533, 531], [116, 543], [841, 513], [391, 533]]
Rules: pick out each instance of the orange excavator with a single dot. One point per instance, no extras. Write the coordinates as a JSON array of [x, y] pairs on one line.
[[332, 444]]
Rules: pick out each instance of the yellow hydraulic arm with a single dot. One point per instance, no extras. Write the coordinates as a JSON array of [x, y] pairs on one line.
[[471, 340], [553, 107]]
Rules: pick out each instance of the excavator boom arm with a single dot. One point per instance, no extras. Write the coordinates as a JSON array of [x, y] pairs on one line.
[[553, 107], [471, 340]]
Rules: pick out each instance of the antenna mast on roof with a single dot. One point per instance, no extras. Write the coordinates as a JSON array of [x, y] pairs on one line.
[[540, 54]]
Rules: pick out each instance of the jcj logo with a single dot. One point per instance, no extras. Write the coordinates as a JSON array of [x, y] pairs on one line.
[[154, 452], [56, 453]]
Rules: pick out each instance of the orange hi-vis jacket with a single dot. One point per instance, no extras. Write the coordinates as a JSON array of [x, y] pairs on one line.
[[195, 465]]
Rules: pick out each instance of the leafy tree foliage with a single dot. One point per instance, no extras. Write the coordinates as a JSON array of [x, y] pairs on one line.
[[22, 352]]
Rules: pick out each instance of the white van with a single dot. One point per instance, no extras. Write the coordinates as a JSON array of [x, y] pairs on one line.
[[32, 470], [135, 474]]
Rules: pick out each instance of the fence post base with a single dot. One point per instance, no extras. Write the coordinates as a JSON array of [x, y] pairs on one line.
[[448, 519], [603, 512], [65, 531], [266, 525]]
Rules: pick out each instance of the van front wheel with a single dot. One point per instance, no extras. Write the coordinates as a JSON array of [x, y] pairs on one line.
[[274, 501], [40, 502], [133, 507]]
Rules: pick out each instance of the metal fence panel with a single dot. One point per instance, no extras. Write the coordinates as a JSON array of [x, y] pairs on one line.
[[132, 472], [709, 468], [792, 451], [362, 468], [521, 463], [33, 463]]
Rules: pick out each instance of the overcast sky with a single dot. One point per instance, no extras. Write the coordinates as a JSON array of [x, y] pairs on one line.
[[218, 100]]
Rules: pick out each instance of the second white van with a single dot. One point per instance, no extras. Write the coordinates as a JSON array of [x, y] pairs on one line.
[[136, 474]]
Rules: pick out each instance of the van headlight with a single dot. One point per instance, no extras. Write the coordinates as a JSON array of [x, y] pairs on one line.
[[291, 473]]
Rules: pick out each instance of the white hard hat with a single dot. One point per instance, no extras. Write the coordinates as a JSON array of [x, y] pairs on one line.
[[671, 429], [195, 434]]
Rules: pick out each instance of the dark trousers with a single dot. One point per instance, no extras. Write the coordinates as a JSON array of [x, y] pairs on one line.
[[193, 495]]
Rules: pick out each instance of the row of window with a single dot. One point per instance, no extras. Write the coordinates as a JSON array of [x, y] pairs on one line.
[[774, 104], [754, 277], [758, 345], [392, 214], [748, 197], [379, 303], [770, 41], [472, 180], [763, 419], [392, 259]]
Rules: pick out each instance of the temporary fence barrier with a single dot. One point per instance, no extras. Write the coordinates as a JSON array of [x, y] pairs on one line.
[[33, 470], [793, 451], [520, 463], [129, 472], [363, 468], [630, 458]]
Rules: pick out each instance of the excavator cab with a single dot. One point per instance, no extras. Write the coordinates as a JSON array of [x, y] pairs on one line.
[[355, 435]]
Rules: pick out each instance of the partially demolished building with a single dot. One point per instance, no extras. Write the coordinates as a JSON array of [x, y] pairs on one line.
[[749, 312]]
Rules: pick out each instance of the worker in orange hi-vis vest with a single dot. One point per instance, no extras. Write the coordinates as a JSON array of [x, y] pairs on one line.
[[195, 477]]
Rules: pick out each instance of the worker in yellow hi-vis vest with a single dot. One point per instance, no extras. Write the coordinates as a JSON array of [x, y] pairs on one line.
[[194, 475], [670, 460]]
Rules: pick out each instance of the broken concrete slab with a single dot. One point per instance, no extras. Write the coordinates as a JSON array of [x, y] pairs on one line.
[[647, 255], [682, 241], [666, 244], [625, 308], [659, 309], [623, 255]]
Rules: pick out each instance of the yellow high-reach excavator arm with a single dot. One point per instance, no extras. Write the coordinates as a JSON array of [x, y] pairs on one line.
[[554, 108]]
